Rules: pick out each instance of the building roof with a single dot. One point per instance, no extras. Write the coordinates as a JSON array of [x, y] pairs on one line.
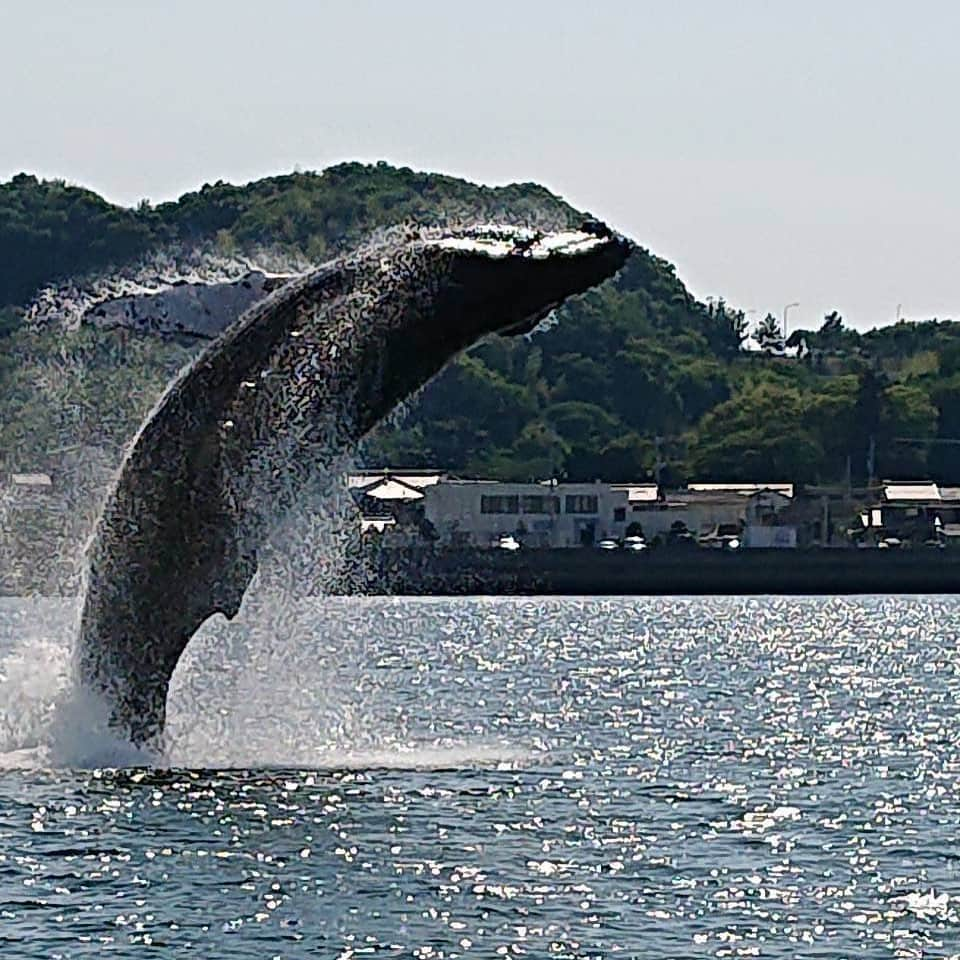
[[419, 480], [391, 488], [31, 480], [915, 490], [531, 486], [741, 489], [638, 492], [412, 478]]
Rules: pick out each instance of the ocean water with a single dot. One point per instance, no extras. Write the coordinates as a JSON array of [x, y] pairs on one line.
[[539, 777]]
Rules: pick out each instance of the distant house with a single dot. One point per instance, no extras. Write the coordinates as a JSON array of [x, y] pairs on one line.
[[700, 508], [769, 521], [550, 514], [915, 512], [391, 502]]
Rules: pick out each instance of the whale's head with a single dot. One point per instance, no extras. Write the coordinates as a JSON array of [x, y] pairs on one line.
[[465, 284], [505, 279]]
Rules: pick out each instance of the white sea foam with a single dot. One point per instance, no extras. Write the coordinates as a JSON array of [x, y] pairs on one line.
[[33, 670], [45, 720], [291, 682], [288, 684]]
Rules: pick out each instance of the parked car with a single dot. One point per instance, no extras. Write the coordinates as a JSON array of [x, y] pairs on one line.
[[679, 537], [725, 536]]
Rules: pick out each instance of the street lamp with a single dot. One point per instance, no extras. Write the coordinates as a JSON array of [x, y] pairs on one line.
[[786, 310]]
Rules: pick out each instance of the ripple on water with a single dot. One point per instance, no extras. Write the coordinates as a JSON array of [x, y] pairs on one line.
[[574, 778]]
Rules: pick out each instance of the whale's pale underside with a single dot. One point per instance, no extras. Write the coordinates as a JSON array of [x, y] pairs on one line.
[[298, 378]]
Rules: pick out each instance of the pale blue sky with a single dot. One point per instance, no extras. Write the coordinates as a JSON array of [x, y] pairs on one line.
[[774, 151]]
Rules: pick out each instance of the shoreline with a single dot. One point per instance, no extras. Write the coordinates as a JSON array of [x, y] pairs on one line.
[[830, 571], [658, 572]]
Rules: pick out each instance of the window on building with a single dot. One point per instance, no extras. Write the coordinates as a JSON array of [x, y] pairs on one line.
[[580, 503], [499, 504], [619, 514], [535, 503]]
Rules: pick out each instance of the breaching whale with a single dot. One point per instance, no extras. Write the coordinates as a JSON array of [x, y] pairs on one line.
[[297, 379]]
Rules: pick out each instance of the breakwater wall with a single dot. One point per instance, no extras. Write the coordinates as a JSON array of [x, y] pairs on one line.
[[419, 572], [664, 571]]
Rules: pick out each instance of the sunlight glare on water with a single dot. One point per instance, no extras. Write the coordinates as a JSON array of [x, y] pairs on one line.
[[717, 777]]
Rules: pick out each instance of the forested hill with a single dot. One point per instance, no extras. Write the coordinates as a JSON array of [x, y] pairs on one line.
[[51, 231], [634, 375]]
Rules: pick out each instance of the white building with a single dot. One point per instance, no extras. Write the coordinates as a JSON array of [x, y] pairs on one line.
[[384, 484], [478, 512], [702, 507], [764, 523]]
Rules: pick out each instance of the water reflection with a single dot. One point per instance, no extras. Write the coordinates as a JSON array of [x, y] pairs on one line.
[[569, 778]]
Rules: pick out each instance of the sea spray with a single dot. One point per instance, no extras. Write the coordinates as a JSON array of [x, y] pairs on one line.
[[34, 670], [280, 684]]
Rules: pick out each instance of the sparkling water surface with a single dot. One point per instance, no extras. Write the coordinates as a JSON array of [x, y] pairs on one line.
[[719, 777]]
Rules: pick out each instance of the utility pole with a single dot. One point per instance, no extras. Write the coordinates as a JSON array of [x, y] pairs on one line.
[[658, 464]]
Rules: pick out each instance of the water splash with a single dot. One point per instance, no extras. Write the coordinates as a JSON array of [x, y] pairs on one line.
[[45, 720], [296, 680], [33, 672], [270, 687]]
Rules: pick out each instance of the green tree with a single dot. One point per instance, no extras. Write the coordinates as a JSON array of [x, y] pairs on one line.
[[760, 433], [908, 418], [831, 415], [768, 335]]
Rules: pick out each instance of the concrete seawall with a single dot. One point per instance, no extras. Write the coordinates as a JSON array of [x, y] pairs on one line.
[[680, 572], [418, 572]]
